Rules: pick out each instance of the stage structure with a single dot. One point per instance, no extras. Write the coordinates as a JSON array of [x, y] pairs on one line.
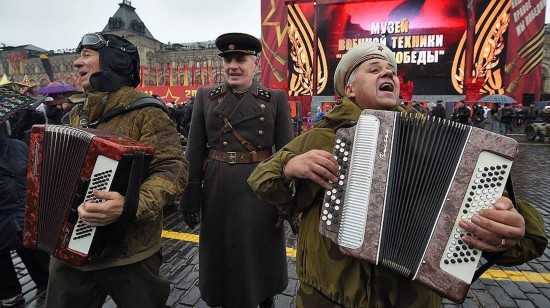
[[443, 48]]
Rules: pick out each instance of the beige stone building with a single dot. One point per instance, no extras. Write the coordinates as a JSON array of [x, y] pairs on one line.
[[156, 57]]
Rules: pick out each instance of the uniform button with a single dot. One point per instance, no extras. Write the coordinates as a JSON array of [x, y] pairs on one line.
[[260, 147], [262, 119], [224, 143], [261, 132], [220, 116], [262, 106]]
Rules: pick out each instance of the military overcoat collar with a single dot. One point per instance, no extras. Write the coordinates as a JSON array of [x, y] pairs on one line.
[[251, 105]]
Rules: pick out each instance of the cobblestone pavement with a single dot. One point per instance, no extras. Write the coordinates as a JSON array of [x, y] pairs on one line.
[[522, 286]]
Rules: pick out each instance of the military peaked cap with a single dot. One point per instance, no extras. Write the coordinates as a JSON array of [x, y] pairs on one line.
[[238, 42]]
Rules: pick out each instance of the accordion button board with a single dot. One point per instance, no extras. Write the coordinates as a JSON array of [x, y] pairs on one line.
[[405, 183], [101, 179], [486, 186]]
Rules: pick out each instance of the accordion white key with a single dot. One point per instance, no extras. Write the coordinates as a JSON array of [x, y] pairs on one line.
[[405, 183]]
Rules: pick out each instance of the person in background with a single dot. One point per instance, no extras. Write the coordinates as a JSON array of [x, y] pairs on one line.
[[493, 123], [295, 179], [242, 252], [477, 116], [416, 108], [461, 113], [439, 111], [518, 109], [14, 155], [187, 115], [531, 114], [108, 70], [57, 109], [506, 116]]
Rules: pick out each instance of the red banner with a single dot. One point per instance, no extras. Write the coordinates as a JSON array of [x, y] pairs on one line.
[[174, 94]]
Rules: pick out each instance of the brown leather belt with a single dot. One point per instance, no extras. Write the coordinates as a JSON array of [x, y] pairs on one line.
[[239, 157]]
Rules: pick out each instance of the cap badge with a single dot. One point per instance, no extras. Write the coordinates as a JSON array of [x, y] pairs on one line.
[[380, 48], [231, 46]]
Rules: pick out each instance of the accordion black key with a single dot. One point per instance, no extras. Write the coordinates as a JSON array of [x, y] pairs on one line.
[[405, 183], [65, 165]]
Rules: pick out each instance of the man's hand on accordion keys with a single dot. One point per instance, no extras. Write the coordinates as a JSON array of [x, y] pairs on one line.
[[316, 165], [104, 213], [496, 229]]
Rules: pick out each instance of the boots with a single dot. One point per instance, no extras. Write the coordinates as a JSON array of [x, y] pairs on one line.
[[267, 303]]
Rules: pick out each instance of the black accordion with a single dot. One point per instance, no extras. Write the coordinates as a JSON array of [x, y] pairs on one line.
[[405, 183], [65, 165]]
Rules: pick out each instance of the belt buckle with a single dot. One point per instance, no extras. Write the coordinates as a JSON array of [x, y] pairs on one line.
[[232, 157]]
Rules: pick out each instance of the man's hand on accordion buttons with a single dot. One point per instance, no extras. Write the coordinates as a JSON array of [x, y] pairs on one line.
[[104, 213], [316, 165], [191, 218], [496, 229]]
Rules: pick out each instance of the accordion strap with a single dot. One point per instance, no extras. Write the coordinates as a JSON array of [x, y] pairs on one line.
[[491, 257], [130, 205], [146, 101]]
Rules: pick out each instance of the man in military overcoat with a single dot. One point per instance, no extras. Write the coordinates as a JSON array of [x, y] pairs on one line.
[[233, 127]]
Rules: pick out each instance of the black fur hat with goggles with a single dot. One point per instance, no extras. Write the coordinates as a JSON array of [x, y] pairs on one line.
[[118, 61]]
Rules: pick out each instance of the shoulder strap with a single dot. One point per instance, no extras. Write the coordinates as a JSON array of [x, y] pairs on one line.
[[491, 257], [147, 101]]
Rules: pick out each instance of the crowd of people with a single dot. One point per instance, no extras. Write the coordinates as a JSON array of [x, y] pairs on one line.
[[502, 118], [242, 174]]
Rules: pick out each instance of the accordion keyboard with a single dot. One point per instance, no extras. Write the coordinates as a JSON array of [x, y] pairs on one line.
[[486, 186], [101, 179], [355, 210]]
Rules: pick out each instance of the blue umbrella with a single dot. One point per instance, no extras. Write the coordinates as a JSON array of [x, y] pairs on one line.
[[500, 99]]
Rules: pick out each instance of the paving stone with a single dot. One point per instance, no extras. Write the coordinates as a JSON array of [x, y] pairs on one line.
[[500, 296], [538, 300], [483, 298], [527, 287], [470, 302], [189, 281], [180, 273], [291, 288], [522, 303], [545, 292], [192, 297], [511, 289], [174, 298], [283, 301]]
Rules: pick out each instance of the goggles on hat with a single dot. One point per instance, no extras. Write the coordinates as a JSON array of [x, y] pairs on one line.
[[96, 41]]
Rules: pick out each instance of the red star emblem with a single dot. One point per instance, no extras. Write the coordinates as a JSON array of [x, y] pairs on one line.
[[169, 97]]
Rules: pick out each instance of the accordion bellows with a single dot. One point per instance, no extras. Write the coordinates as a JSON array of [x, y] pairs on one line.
[[405, 183], [65, 165]]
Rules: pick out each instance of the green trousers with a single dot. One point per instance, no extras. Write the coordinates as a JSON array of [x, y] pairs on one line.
[[130, 286]]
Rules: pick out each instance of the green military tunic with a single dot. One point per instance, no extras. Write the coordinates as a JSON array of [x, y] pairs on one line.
[[320, 264]]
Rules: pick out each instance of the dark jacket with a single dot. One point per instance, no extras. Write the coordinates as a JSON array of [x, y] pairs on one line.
[[438, 111], [242, 254], [461, 115], [14, 155]]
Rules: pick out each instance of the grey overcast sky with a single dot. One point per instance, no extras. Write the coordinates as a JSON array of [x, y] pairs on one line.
[[58, 24]]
